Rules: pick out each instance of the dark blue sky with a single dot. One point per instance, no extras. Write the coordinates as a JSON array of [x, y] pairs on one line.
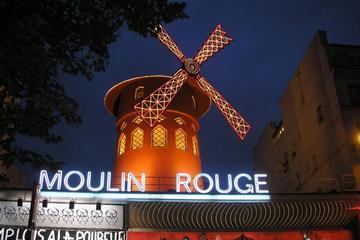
[[270, 38]]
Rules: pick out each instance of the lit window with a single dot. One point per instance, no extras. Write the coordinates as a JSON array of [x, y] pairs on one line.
[[121, 144], [193, 101], [161, 118], [137, 138], [137, 120], [180, 139], [159, 136], [180, 121], [139, 92], [195, 146], [123, 126]]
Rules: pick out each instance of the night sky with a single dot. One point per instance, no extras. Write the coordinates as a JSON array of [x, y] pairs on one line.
[[270, 38]]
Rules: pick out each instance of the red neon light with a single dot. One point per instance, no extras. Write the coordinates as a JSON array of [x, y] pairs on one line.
[[355, 208], [295, 235]]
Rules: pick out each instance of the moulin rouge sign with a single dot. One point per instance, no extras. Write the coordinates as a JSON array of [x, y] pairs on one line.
[[239, 187]]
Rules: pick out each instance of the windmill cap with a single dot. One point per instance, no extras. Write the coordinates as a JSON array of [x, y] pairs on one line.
[[111, 97]]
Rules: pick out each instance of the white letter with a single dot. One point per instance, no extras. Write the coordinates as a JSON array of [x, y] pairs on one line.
[[101, 185], [39, 234], [108, 184], [196, 185], [79, 186], [217, 184], [2, 233], [123, 181], [79, 235], [131, 177], [257, 183], [49, 185], [8, 234], [100, 235], [185, 183], [249, 189]]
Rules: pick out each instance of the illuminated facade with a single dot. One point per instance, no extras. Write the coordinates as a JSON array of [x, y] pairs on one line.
[[171, 143], [315, 147], [159, 138]]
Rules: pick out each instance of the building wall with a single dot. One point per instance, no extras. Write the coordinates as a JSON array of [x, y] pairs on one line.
[[312, 147]]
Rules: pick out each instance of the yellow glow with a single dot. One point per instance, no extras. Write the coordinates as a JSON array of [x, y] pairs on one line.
[[137, 138], [161, 118], [358, 138], [138, 120], [180, 121], [122, 142], [159, 136], [180, 139], [195, 146]]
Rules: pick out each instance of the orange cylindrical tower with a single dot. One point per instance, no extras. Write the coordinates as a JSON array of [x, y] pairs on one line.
[[169, 147]]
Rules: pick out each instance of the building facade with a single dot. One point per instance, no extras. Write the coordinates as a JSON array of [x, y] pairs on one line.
[[316, 145], [170, 146]]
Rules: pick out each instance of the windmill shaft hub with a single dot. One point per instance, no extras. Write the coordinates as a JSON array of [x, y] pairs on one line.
[[191, 66]]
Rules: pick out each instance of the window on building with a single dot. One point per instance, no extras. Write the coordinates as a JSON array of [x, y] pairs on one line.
[[137, 138], [123, 126], [319, 114], [139, 92], [180, 139], [193, 101], [161, 118], [122, 144], [354, 94], [180, 121], [137, 120], [159, 136], [195, 146]]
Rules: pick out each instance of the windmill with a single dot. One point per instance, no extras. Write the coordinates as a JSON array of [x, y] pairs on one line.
[[151, 108]]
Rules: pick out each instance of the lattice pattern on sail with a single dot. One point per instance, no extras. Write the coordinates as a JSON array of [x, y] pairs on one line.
[[152, 107], [165, 38], [217, 40], [236, 121]]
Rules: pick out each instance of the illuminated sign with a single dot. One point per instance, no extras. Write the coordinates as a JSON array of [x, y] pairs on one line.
[[84, 215], [74, 181], [47, 234]]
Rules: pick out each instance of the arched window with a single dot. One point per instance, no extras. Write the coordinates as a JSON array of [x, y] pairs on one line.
[[193, 101], [139, 92], [180, 121], [122, 144], [195, 146], [137, 138], [180, 139], [159, 136]]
